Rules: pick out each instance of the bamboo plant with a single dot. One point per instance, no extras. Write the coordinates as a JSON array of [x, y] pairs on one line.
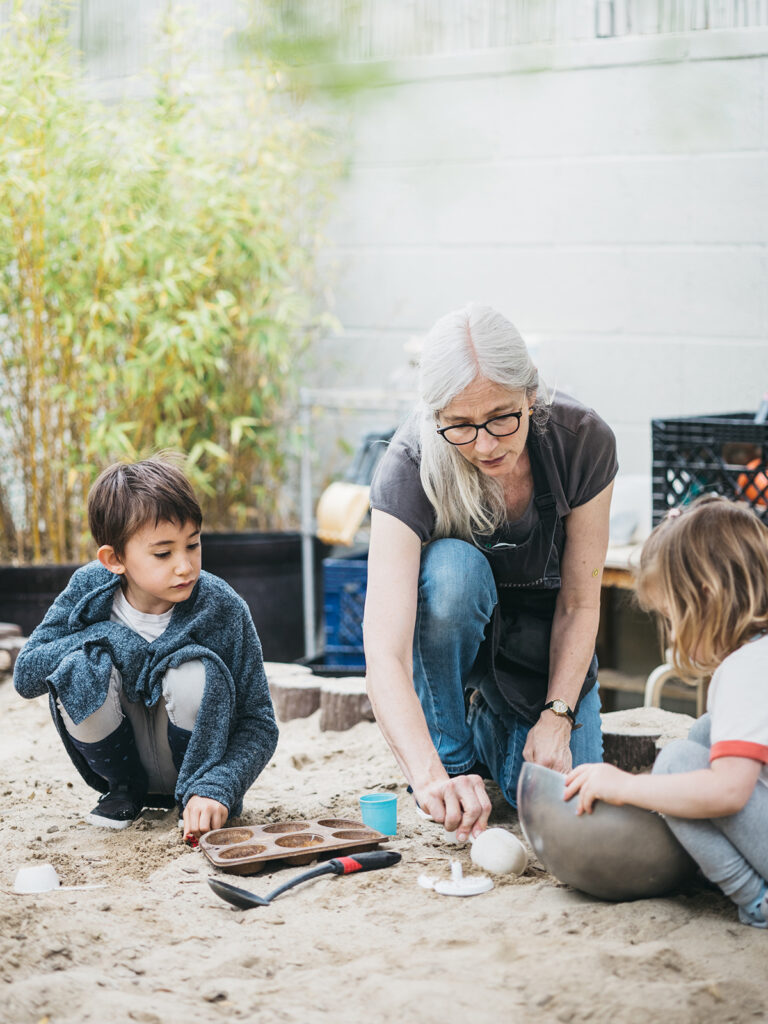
[[158, 286]]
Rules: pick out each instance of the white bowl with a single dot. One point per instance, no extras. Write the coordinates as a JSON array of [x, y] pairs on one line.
[[39, 878]]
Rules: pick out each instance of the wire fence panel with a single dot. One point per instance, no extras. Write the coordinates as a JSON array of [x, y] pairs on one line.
[[116, 35]]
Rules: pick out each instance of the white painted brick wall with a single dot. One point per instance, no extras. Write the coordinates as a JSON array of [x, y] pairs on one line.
[[615, 207]]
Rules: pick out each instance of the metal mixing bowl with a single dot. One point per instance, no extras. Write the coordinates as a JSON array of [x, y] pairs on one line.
[[615, 853]]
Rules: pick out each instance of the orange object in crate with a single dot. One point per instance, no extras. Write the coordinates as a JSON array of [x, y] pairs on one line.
[[754, 486]]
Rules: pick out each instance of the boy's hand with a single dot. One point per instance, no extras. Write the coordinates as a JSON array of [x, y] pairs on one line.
[[203, 815], [596, 782]]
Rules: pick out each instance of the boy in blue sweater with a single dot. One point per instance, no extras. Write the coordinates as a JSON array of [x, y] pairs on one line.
[[153, 667]]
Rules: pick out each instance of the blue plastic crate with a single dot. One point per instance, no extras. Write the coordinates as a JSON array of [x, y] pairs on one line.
[[344, 585]]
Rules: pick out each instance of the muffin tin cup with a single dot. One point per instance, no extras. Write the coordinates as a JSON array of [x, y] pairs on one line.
[[247, 849]]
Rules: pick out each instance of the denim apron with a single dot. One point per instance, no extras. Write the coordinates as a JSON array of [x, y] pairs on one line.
[[515, 654]]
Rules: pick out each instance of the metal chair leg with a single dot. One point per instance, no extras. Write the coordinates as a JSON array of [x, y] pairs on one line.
[[655, 684], [658, 679]]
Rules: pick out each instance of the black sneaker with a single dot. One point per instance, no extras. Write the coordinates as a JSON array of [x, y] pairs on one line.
[[117, 808]]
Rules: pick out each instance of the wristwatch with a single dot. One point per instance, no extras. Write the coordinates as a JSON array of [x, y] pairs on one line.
[[559, 707]]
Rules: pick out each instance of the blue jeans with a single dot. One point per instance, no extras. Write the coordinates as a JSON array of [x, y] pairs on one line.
[[457, 596]]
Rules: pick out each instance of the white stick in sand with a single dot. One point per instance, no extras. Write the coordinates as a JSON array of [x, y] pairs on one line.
[[458, 885]]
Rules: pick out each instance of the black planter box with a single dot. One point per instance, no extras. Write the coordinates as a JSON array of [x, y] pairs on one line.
[[264, 569], [27, 592]]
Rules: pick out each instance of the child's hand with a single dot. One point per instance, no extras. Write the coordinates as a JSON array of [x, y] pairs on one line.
[[203, 815], [596, 782]]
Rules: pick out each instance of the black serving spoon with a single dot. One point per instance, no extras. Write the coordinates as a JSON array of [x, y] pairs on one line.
[[244, 899]]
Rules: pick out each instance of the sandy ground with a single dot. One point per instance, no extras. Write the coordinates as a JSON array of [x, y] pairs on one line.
[[155, 945]]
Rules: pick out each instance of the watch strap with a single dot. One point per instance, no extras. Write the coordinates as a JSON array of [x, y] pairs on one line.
[[567, 713]]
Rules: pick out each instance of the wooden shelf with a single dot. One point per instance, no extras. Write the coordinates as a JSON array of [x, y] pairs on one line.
[[610, 679]]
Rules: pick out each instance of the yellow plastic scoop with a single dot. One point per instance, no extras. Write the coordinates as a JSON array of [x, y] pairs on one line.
[[340, 511]]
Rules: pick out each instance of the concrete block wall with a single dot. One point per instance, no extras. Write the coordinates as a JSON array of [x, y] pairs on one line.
[[610, 197]]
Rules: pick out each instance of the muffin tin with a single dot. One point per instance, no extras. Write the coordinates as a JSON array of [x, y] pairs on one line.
[[246, 849]]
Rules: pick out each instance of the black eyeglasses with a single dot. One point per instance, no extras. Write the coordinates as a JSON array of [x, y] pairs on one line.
[[497, 426]]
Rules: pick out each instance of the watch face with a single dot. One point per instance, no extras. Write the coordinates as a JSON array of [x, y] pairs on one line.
[[559, 707]]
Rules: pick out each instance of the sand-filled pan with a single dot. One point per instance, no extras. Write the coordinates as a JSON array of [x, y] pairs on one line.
[[338, 823], [299, 841], [238, 852], [615, 853], [246, 849], [285, 827], [227, 836]]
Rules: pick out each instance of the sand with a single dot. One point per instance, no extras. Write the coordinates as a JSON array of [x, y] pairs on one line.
[[156, 945]]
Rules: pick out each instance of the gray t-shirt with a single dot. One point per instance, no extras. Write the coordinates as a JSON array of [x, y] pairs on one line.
[[579, 446]]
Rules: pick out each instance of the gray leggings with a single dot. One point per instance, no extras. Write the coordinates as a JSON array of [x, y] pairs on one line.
[[733, 851]]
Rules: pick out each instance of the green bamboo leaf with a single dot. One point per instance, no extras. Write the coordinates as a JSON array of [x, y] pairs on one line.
[[177, 273]]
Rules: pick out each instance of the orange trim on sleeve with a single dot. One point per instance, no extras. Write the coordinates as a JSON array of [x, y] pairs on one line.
[[739, 748]]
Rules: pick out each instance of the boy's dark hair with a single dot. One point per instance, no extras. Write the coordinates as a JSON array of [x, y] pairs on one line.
[[127, 496]]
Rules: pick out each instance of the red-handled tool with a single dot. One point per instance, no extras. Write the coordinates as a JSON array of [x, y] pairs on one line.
[[244, 899]]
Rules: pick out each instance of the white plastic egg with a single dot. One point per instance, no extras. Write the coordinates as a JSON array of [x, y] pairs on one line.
[[499, 852]]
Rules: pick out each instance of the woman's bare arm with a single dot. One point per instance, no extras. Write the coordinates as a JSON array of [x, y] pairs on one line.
[[390, 616]]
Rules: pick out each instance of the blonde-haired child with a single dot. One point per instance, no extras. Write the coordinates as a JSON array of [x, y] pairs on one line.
[[705, 571]]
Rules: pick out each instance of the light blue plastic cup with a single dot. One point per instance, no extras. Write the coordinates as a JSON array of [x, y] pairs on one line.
[[379, 811]]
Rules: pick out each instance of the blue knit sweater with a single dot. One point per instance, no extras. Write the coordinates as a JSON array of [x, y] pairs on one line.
[[72, 651]]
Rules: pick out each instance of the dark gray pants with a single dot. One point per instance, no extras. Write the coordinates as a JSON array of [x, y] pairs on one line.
[[733, 851]]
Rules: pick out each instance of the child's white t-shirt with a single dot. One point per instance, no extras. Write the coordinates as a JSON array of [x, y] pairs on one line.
[[148, 626], [738, 704]]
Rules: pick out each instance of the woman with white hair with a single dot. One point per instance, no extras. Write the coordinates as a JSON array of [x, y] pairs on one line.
[[489, 528]]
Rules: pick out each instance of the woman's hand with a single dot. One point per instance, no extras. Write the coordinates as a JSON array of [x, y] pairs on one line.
[[203, 815], [548, 743], [460, 804], [597, 782]]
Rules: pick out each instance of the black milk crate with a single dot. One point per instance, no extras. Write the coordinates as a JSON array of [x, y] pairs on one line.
[[344, 585], [725, 454]]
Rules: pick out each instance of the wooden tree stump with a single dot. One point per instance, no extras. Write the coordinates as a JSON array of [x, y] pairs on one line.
[[294, 689], [633, 738], [344, 703], [286, 670]]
